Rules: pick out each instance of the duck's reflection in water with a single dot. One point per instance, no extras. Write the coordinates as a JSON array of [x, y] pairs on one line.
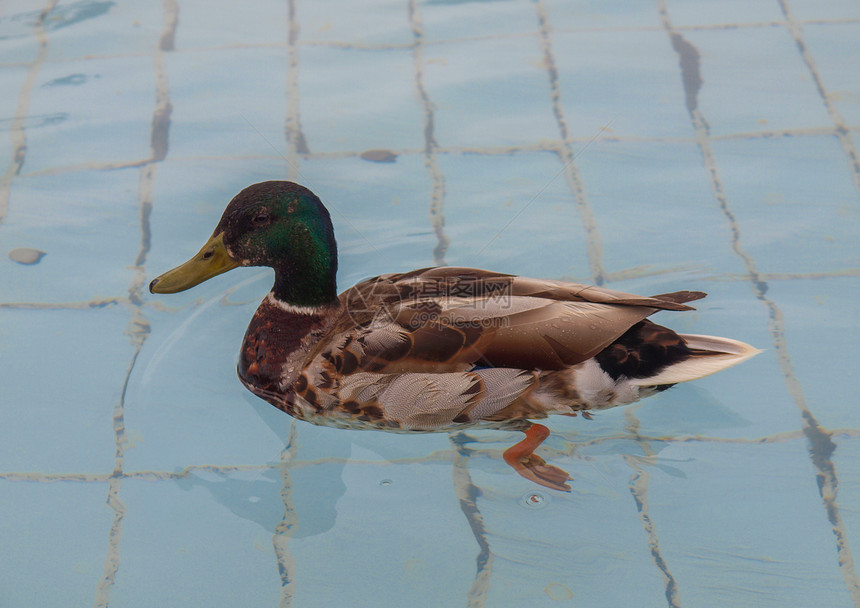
[[257, 494], [308, 491]]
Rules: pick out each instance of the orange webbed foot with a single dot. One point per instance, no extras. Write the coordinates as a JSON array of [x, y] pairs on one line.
[[531, 466]]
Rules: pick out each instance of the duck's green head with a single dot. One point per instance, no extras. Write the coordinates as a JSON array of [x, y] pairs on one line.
[[278, 224]]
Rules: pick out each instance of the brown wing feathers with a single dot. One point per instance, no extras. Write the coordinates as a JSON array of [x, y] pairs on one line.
[[456, 318], [452, 282]]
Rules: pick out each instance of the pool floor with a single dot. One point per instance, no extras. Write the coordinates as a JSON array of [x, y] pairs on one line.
[[643, 146]]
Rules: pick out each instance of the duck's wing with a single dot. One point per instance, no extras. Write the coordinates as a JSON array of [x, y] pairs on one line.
[[452, 281], [454, 319]]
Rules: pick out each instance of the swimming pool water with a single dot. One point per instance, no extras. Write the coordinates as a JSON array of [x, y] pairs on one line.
[[647, 147]]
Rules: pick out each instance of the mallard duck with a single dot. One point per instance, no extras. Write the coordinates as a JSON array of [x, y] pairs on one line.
[[437, 349]]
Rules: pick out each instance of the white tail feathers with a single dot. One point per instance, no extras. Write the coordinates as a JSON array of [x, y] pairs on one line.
[[719, 354]]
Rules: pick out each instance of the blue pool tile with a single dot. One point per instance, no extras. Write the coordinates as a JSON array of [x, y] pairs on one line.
[[731, 12], [446, 20], [125, 87], [630, 85], [376, 22], [724, 406], [167, 556], [46, 572], [227, 103], [316, 444], [16, 30], [513, 213], [773, 69], [794, 200], [744, 525], [553, 551], [184, 403], [87, 219], [658, 212], [492, 92], [424, 568], [82, 29], [59, 397], [231, 24], [821, 321], [564, 14], [835, 51], [835, 9], [360, 99]]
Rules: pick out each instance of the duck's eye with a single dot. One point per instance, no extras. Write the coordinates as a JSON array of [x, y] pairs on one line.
[[262, 217]]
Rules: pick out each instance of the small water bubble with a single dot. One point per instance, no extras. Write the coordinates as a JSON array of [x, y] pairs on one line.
[[534, 500], [385, 483]]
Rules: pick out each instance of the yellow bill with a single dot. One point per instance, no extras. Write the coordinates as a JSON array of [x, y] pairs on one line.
[[210, 261]]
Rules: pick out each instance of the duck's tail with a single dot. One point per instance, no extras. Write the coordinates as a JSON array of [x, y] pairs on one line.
[[709, 355]]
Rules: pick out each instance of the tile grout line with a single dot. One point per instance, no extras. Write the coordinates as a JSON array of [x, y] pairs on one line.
[[153, 476], [842, 132], [296, 146], [17, 132], [467, 496], [769, 439], [634, 272], [819, 438], [296, 143], [361, 46], [114, 501], [284, 529], [138, 328], [626, 274], [566, 154], [544, 146], [639, 490], [437, 192], [820, 442]]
